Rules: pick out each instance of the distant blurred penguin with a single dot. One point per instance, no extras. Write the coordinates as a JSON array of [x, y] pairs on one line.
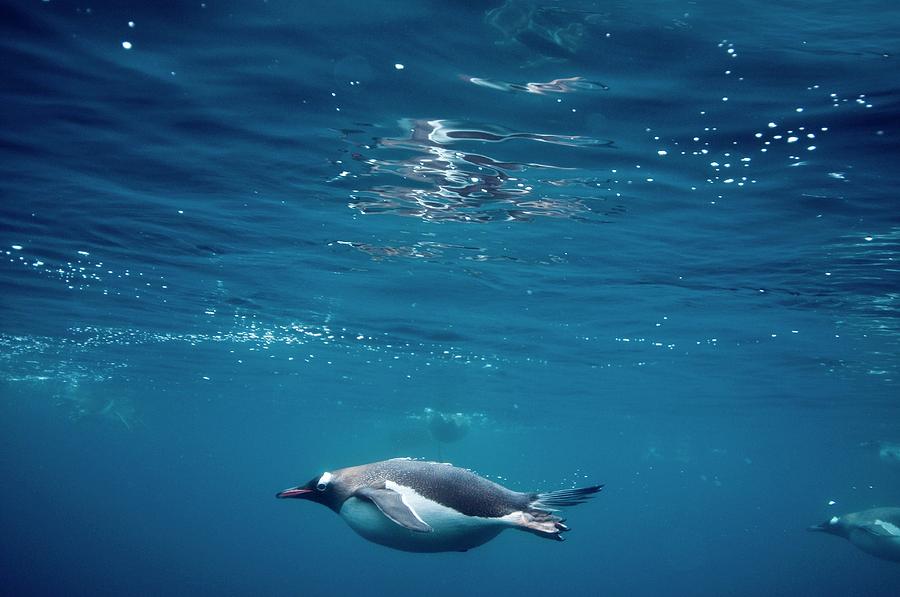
[[447, 428], [875, 531], [887, 451]]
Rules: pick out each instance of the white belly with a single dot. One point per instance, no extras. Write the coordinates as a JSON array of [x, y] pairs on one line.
[[452, 531]]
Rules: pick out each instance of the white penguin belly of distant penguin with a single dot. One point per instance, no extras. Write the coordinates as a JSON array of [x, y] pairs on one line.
[[452, 530]]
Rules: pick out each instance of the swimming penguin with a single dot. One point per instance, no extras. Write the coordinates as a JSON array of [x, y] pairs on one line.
[[420, 506], [875, 531], [887, 451]]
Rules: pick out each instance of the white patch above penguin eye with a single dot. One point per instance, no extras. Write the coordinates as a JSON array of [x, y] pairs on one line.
[[834, 520], [324, 480]]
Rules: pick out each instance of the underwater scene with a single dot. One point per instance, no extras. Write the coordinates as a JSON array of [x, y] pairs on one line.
[[423, 297]]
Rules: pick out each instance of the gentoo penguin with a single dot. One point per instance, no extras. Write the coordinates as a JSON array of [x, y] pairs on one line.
[[414, 505], [875, 531]]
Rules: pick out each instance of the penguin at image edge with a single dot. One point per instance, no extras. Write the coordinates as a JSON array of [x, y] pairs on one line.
[[421, 506], [875, 531]]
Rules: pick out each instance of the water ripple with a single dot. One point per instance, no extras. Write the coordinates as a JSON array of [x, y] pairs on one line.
[[419, 175], [563, 85]]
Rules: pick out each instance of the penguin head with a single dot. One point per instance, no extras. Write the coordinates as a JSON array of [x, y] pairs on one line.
[[832, 526], [319, 489]]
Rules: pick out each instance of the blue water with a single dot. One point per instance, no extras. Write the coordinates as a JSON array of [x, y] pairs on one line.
[[246, 242]]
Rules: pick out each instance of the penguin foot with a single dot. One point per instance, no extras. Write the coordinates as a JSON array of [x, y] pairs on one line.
[[542, 524]]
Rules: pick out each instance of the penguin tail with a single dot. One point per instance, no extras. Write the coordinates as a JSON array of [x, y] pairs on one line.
[[561, 498]]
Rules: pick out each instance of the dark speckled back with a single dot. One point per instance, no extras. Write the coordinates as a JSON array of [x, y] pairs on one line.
[[446, 484]]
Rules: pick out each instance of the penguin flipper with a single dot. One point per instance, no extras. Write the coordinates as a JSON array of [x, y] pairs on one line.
[[881, 528], [394, 507]]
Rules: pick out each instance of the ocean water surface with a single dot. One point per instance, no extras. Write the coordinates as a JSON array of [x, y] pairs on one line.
[[649, 244]]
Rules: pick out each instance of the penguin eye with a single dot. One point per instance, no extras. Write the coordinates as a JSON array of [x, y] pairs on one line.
[[324, 480]]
